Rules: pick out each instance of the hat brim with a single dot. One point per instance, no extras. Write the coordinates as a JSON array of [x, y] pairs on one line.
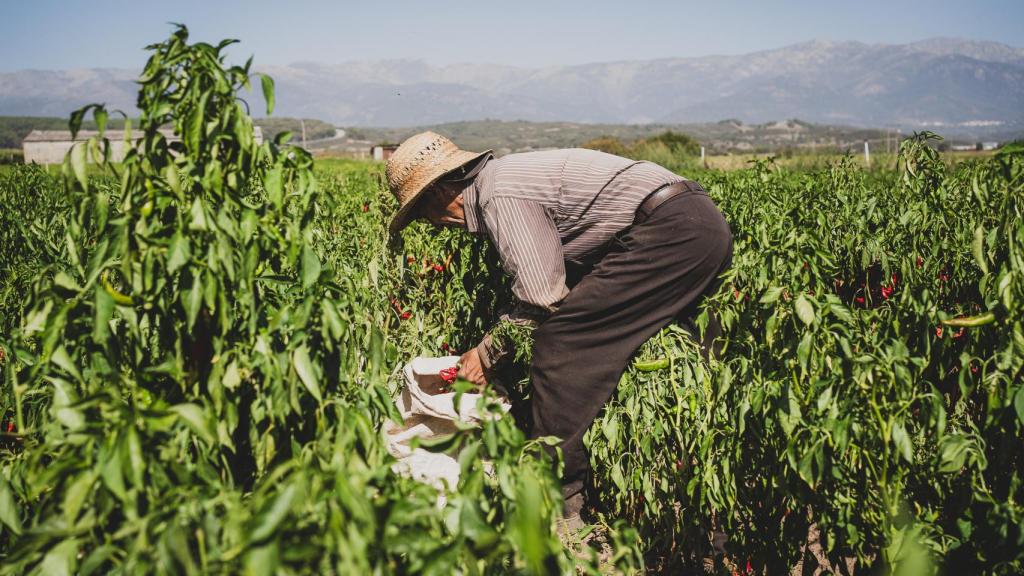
[[403, 216]]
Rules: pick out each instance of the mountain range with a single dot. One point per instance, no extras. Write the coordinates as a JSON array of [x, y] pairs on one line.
[[945, 84]]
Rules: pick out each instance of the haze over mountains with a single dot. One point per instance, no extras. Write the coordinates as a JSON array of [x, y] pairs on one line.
[[950, 85]]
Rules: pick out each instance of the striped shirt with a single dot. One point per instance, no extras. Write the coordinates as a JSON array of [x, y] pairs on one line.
[[543, 209]]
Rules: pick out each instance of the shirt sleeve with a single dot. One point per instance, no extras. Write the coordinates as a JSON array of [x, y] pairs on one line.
[[530, 250]]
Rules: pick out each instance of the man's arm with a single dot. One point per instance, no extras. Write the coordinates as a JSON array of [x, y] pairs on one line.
[[531, 252]]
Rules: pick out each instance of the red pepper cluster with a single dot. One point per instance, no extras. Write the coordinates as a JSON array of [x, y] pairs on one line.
[[449, 374], [427, 264], [888, 289], [884, 291], [959, 333], [403, 314]]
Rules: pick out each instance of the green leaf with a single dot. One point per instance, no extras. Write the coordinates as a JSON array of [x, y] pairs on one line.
[[8, 507], [75, 496], [99, 115], [1018, 403], [771, 295], [272, 184], [198, 214], [789, 412], [60, 358], [78, 164], [96, 559], [306, 371], [902, 441], [178, 253], [195, 418], [63, 399], [61, 560], [272, 516], [104, 312], [953, 452], [268, 92], [194, 300], [310, 266], [804, 310]]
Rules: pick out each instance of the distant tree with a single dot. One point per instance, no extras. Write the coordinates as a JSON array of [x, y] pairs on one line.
[[608, 144], [677, 142]]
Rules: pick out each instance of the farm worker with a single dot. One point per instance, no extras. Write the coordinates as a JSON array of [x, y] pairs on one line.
[[603, 252]]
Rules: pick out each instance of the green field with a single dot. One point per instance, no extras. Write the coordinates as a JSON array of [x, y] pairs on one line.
[[198, 349]]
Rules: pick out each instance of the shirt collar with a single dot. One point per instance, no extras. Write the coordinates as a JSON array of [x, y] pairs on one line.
[[470, 203]]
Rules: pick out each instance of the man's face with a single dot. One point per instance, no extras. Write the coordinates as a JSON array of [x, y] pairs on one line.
[[441, 205]]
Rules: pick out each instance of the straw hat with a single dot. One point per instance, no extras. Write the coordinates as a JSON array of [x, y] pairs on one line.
[[419, 162]]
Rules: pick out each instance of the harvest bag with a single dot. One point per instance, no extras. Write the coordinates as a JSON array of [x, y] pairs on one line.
[[429, 411]]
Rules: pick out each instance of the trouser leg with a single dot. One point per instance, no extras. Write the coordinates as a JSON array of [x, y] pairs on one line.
[[661, 268]]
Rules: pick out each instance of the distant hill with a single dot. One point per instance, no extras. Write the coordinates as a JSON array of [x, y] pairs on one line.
[[952, 85]]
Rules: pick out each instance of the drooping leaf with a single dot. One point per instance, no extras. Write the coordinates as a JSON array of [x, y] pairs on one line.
[[804, 310], [178, 253], [9, 510], [195, 418], [310, 266], [306, 371], [902, 442], [78, 164], [268, 92], [271, 517]]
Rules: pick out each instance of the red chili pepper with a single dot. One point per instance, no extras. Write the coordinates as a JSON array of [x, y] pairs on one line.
[[959, 332], [974, 369], [445, 347], [859, 299], [895, 279], [938, 331], [679, 464], [406, 315], [943, 277], [919, 262], [366, 207], [887, 291], [438, 267], [10, 427], [449, 374]]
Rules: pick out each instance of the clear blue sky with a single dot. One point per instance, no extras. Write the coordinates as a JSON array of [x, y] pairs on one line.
[[53, 34]]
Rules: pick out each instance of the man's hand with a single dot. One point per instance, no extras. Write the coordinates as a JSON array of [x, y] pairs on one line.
[[471, 369]]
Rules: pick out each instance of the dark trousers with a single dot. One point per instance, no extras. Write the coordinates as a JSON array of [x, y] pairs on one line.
[[656, 271]]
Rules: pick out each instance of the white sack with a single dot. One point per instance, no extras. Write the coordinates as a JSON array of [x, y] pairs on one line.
[[427, 413]]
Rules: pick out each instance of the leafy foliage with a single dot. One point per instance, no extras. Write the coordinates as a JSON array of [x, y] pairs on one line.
[[196, 388], [198, 351]]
